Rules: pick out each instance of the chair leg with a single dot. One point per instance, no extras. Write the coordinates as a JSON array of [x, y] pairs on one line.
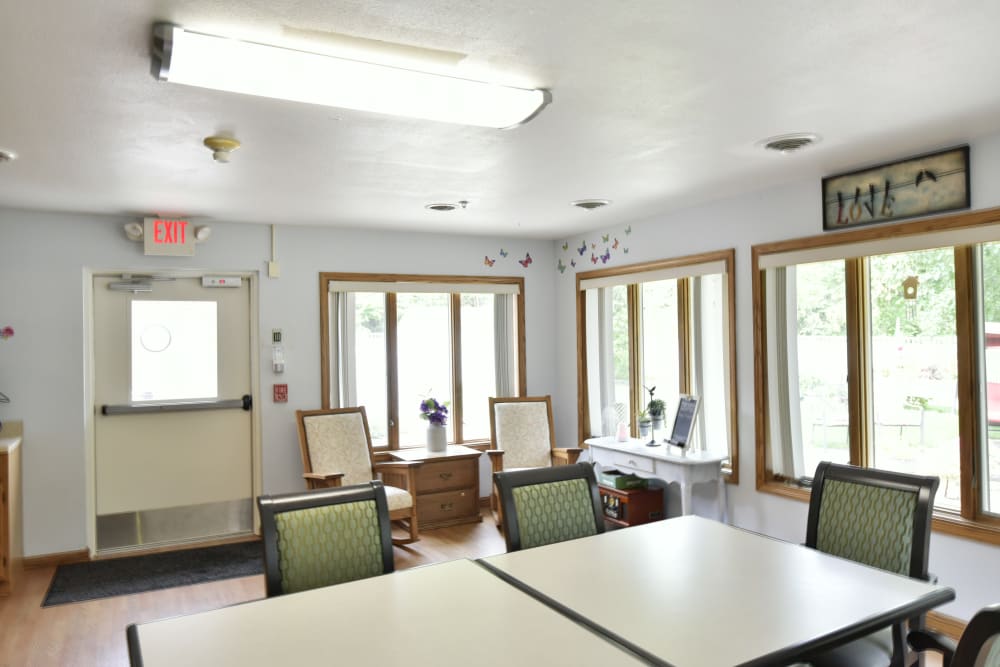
[[410, 525]]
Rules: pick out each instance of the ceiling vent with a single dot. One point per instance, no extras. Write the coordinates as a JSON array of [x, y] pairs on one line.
[[444, 206], [591, 204], [789, 143]]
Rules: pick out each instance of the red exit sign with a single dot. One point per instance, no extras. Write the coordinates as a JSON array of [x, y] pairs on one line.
[[164, 236]]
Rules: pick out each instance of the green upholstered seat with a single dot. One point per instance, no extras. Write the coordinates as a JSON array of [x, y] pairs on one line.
[[325, 537], [878, 518], [546, 505]]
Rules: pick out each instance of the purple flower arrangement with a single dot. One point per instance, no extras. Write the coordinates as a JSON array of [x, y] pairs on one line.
[[434, 412]]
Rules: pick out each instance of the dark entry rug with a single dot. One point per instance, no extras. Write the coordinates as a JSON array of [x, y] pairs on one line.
[[77, 582]]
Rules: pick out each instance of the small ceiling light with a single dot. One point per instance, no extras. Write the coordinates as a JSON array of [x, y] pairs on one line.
[[7, 156], [221, 147], [591, 204], [789, 143], [235, 66], [202, 233], [133, 231], [441, 207]]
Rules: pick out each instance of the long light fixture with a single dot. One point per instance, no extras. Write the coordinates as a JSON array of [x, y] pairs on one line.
[[208, 61]]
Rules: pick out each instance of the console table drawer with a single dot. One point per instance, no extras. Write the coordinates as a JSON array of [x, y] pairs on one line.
[[434, 507], [435, 476], [632, 461]]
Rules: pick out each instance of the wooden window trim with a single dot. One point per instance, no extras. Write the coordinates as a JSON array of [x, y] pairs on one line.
[[728, 258], [970, 522], [325, 278]]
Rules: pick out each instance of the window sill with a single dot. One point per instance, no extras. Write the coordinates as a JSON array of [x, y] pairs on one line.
[[946, 523]]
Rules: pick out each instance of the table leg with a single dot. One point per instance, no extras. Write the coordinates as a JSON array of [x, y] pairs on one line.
[[685, 498]]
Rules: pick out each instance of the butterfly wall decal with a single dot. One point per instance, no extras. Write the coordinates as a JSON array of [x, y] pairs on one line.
[[625, 251], [604, 237], [572, 262], [606, 256], [526, 261], [593, 246], [565, 246], [628, 230], [503, 253], [488, 261], [615, 246], [583, 248], [561, 266], [593, 258]]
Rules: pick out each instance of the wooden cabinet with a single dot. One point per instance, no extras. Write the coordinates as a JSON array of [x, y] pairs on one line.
[[447, 490], [633, 507], [11, 548]]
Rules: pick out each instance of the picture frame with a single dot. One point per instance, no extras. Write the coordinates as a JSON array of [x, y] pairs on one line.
[[916, 186], [684, 420]]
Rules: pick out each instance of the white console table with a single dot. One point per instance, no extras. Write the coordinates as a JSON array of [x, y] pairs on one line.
[[684, 468]]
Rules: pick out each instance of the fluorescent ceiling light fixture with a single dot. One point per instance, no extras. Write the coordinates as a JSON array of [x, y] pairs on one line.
[[207, 61]]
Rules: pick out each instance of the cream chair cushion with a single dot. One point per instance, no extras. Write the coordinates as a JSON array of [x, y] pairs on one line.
[[397, 499], [337, 443], [522, 432]]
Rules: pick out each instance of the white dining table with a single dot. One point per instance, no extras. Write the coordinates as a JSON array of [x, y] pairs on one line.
[[693, 592], [449, 614]]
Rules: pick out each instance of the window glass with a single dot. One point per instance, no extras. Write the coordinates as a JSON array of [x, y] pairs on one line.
[[990, 289], [368, 362], [660, 354], [423, 324], [478, 364], [914, 373], [821, 363], [174, 350]]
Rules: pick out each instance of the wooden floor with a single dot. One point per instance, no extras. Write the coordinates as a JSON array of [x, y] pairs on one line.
[[93, 633]]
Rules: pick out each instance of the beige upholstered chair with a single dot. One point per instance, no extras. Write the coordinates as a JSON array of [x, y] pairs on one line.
[[337, 451], [521, 436]]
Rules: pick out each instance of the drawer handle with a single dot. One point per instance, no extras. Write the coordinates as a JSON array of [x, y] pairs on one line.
[[447, 507], [444, 475]]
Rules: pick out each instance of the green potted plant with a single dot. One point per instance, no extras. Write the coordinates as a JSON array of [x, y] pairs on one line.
[[644, 423], [655, 408]]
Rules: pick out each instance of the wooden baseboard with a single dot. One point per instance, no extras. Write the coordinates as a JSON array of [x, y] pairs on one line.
[[484, 501], [946, 625], [63, 558]]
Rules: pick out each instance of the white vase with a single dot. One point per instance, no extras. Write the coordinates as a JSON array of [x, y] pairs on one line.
[[437, 438]]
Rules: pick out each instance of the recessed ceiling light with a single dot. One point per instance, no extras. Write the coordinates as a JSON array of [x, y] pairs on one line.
[[7, 156], [445, 206], [789, 143], [590, 204]]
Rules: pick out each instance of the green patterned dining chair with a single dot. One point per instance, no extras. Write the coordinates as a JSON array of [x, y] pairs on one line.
[[522, 436], [545, 505], [979, 645], [881, 519], [325, 537]]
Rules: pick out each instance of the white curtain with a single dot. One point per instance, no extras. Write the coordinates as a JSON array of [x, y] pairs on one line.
[[784, 415], [343, 375], [503, 337]]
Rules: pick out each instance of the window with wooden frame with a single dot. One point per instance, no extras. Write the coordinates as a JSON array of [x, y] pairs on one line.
[[875, 347], [669, 324], [390, 341]]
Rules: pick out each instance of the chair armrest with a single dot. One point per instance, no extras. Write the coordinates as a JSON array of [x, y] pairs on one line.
[[568, 455], [928, 640], [496, 459], [318, 480], [405, 468]]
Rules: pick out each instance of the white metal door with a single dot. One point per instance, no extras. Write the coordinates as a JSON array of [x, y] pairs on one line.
[[173, 428]]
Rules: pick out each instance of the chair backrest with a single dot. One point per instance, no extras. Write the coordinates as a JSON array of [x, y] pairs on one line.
[[522, 428], [325, 537], [980, 643], [336, 440], [546, 505], [875, 517]]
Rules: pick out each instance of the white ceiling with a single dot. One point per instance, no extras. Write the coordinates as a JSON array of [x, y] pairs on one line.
[[657, 105]]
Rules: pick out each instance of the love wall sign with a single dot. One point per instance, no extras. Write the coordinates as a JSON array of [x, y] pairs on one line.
[[916, 186]]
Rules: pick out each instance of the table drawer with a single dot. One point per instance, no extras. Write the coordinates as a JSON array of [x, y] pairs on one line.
[[444, 475], [447, 505], [634, 462]]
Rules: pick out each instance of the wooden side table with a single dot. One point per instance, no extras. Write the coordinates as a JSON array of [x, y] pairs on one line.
[[631, 507], [447, 490]]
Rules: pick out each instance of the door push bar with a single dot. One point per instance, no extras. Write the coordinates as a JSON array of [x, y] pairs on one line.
[[245, 403]]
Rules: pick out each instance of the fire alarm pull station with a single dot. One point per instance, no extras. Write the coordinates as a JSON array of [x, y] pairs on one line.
[[281, 393]]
